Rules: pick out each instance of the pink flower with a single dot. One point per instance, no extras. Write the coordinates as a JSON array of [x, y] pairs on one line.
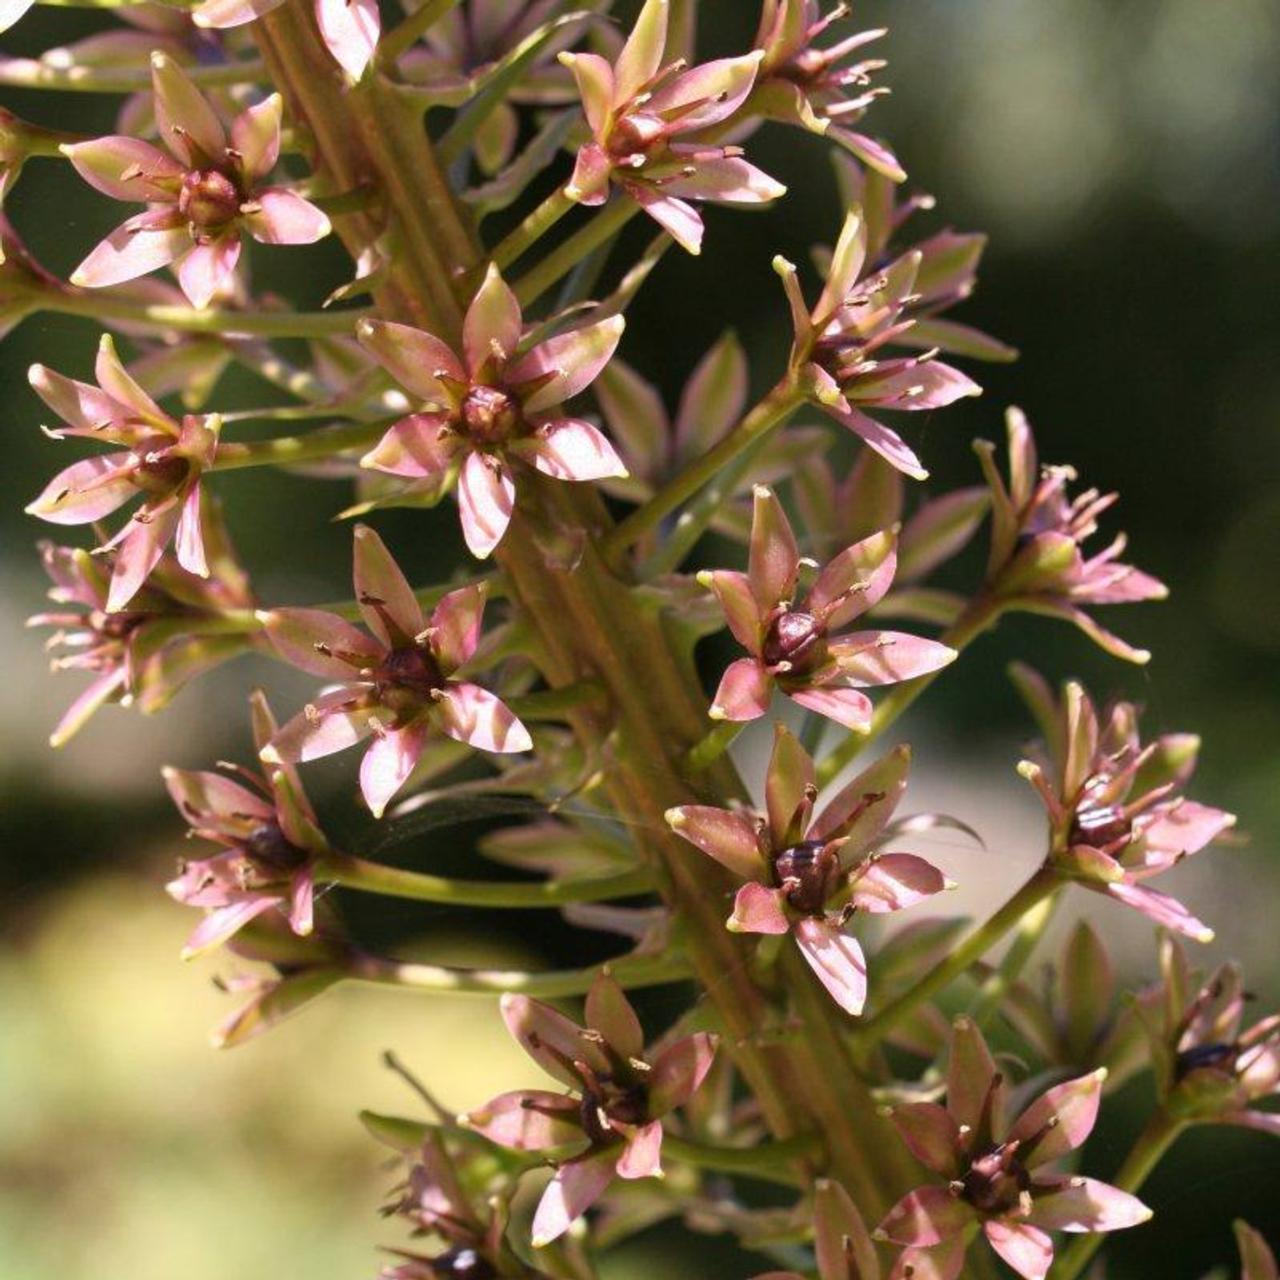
[[173, 630], [611, 1122], [842, 1243], [397, 677], [809, 876], [994, 1170], [636, 108], [790, 638], [271, 836], [349, 28], [491, 408], [159, 460], [805, 84], [1037, 534], [202, 193], [837, 350], [1257, 1262], [1116, 814], [1210, 1068]]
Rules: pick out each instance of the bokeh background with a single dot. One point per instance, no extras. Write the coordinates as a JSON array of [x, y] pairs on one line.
[[1124, 156]]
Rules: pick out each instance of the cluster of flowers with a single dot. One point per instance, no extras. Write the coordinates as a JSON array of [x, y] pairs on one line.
[[488, 409]]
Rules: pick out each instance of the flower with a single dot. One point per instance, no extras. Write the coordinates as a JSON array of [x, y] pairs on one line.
[[175, 629], [808, 876], [1037, 532], [271, 836], [841, 1241], [1116, 814], [636, 108], [802, 83], [611, 1123], [1210, 1068], [202, 193], [789, 637], [481, 412], [349, 28], [1257, 1262], [161, 460], [835, 355], [396, 677], [995, 1170]]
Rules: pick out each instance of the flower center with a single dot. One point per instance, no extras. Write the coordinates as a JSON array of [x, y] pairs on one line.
[[161, 471], [269, 846], [1219, 1056], [1100, 825], [491, 415], [796, 638], [208, 199], [623, 1104], [807, 872], [996, 1180], [410, 670], [634, 135]]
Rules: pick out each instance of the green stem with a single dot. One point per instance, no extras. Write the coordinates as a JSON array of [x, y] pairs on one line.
[[324, 442], [771, 412], [532, 229], [871, 1031], [561, 260], [263, 324], [976, 619], [402, 38], [1030, 931], [631, 972], [705, 753], [393, 882], [1161, 1132], [353, 201], [555, 704], [35, 73], [767, 1161]]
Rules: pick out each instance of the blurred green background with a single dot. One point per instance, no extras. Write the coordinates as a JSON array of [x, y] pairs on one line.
[[1124, 155]]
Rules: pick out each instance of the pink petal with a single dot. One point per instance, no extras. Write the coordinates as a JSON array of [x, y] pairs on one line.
[[1161, 908], [126, 254], [740, 610], [139, 548], [727, 181], [121, 386], [845, 706], [330, 723], [595, 86], [550, 1039], [609, 1012], [1059, 1120], [126, 168], [923, 384], [841, 1240], [1186, 828], [528, 1120], [78, 404], [477, 717], [419, 446], [350, 28], [744, 691], [103, 690], [774, 557], [185, 121], [223, 923], [971, 1077], [455, 626], [387, 764], [414, 358], [721, 86], [231, 13], [589, 182], [855, 580], [932, 1135], [311, 640], [868, 658], [790, 785], [679, 1071], [677, 217], [642, 1156], [387, 603], [730, 838], [189, 538], [277, 216], [492, 321], [888, 444], [860, 810], [255, 136], [486, 499], [570, 449], [924, 1217], [872, 153], [202, 795], [209, 268], [895, 881], [569, 361], [85, 491], [1084, 1205], [302, 904], [943, 1261], [575, 1188], [642, 54], [838, 961], [759, 909], [1025, 1248]]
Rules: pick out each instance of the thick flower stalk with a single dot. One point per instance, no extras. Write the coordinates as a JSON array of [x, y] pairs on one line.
[[639, 108], [809, 876], [613, 1126], [203, 191], [794, 639], [1116, 810], [399, 677], [995, 1168], [497, 407]]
